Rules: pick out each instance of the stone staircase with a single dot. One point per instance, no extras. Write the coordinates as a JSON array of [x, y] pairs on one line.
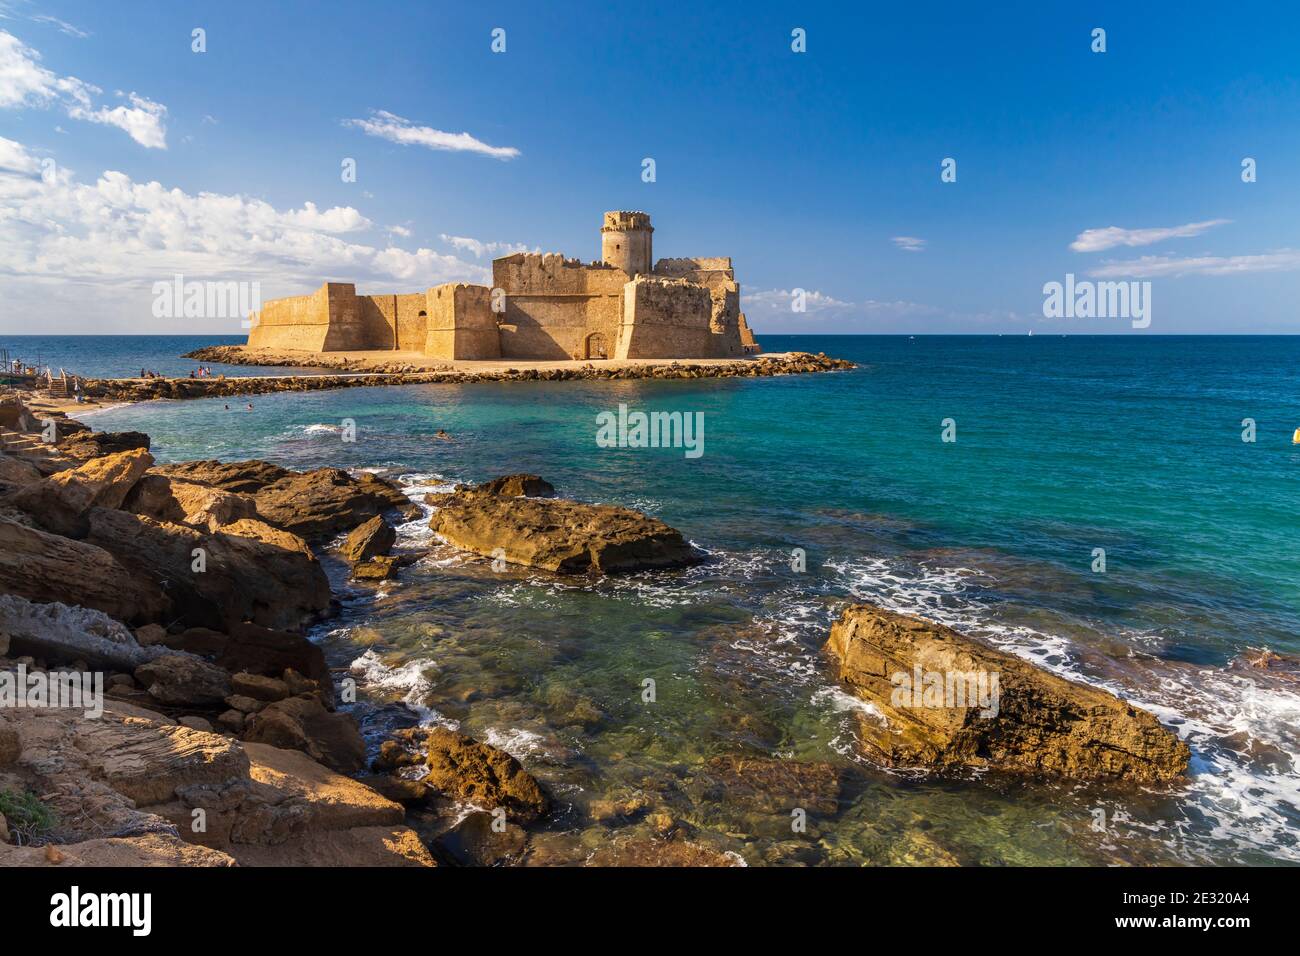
[[28, 445]]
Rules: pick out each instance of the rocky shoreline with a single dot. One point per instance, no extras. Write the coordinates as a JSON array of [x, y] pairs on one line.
[[373, 374], [226, 739]]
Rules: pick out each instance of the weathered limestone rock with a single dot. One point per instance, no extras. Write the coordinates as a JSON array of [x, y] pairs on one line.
[[476, 841], [376, 569], [185, 502], [259, 687], [370, 540], [465, 769], [59, 633], [302, 723], [60, 502], [184, 680], [17, 473], [47, 568], [519, 485], [560, 535], [1043, 723], [85, 444], [11, 746], [320, 504], [243, 579], [238, 477]]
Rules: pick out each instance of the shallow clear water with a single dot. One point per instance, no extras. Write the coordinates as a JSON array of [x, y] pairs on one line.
[[1064, 445]]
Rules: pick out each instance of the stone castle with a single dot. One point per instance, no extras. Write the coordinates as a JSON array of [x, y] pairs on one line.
[[540, 307]]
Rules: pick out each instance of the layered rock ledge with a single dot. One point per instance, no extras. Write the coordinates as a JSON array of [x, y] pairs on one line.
[[1011, 715], [556, 534]]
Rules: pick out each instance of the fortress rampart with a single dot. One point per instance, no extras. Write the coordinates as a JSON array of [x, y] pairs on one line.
[[539, 307]]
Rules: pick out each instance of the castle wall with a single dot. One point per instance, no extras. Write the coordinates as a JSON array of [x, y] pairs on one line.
[[554, 305], [666, 318], [299, 322], [461, 323]]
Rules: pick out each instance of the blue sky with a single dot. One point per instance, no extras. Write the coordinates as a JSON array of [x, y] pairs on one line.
[[817, 171]]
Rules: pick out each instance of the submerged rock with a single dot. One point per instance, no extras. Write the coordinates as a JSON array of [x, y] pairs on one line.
[[559, 535], [465, 769], [1012, 715]]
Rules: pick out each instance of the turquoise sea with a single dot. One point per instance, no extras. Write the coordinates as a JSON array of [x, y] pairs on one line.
[[1064, 445]]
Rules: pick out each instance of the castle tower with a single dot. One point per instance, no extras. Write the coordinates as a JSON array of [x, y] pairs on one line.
[[625, 241]]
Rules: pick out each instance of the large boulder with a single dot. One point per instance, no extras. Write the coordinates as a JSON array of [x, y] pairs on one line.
[[948, 700], [16, 472], [559, 535], [470, 771], [320, 504], [47, 568], [518, 485], [60, 502], [186, 502], [62, 634], [258, 650], [374, 538], [183, 680], [303, 723], [242, 578]]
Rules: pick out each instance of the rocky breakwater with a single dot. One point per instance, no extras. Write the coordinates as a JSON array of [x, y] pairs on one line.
[[518, 520], [375, 373], [945, 700]]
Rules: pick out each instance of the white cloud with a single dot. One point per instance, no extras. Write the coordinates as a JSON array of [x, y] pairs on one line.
[[116, 234], [14, 158], [24, 83], [480, 249], [777, 301], [1097, 240], [909, 243], [400, 231], [142, 121], [1150, 267], [63, 25], [400, 130]]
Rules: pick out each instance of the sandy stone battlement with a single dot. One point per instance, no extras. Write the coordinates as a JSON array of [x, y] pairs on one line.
[[540, 306]]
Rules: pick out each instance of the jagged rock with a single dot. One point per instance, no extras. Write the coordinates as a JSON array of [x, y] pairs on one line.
[[322, 503], [468, 770], [373, 539], [243, 578], [60, 633], [45, 567], [60, 502], [560, 535], [376, 569], [184, 680], [186, 502], [520, 485], [239, 477], [302, 723], [85, 444], [1043, 723]]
